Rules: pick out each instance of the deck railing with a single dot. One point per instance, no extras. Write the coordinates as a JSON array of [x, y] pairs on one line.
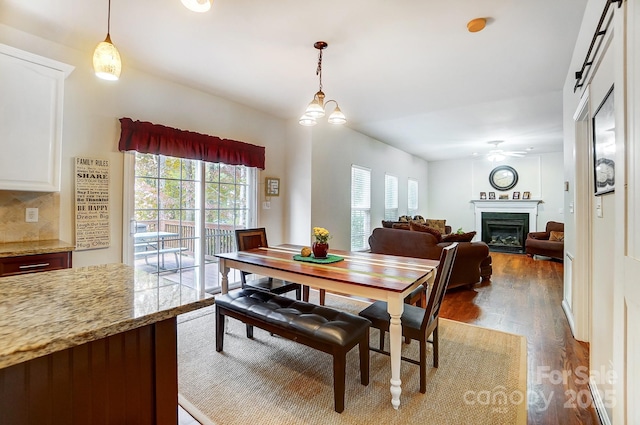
[[218, 238]]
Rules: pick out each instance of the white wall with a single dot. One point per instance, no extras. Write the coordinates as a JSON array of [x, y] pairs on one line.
[[297, 185], [454, 183], [449, 191], [334, 150], [91, 128]]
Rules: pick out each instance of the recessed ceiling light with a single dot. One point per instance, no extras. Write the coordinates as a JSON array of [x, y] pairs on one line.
[[476, 25]]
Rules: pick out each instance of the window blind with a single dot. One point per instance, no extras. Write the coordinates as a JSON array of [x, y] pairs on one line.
[[390, 197], [360, 207], [412, 197]]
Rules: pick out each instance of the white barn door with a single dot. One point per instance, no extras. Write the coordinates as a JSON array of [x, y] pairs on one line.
[[631, 309]]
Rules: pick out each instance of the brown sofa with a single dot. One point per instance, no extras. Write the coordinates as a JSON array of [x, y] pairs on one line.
[[538, 243], [472, 264], [390, 225]]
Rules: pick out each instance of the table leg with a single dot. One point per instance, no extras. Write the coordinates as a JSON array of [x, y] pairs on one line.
[[395, 306], [224, 271]]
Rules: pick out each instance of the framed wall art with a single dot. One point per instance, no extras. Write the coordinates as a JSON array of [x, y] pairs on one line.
[[516, 195], [272, 186], [526, 195], [93, 229], [604, 146]]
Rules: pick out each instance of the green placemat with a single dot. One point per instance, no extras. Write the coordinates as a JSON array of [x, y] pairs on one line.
[[330, 259]]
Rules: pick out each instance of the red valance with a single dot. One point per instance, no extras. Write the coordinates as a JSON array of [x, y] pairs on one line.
[[145, 137]]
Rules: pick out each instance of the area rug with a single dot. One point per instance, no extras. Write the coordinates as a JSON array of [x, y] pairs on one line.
[[481, 378]]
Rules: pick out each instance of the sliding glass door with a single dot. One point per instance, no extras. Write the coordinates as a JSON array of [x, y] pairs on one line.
[[184, 212]]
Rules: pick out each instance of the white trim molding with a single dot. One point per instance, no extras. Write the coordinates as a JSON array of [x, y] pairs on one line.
[[567, 299], [506, 206], [598, 402]]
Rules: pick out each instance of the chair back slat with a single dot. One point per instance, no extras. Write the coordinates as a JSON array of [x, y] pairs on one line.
[[251, 238], [447, 258], [248, 239]]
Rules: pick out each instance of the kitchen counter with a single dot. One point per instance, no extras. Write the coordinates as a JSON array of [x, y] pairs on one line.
[[46, 312], [15, 249], [91, 345]]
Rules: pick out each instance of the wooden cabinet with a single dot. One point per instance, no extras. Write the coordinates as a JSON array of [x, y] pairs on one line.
[[32, 90], [10, 266], [127, 378]]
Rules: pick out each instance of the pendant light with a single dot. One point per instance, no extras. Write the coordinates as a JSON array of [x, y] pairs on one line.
[[106, 59], [197, 5], [317, 107]]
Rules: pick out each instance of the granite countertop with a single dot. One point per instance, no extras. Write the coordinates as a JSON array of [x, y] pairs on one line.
[[42, 313], [15, 249]]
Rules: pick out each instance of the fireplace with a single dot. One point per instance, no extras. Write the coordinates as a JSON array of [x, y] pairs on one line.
[[528, 207], [505, 232]]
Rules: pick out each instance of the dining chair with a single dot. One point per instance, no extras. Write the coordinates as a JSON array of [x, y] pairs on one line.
[[417, 322], [255, 238], [417, 297]]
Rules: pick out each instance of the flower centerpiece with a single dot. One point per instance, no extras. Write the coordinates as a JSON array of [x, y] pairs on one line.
[[320, 245]]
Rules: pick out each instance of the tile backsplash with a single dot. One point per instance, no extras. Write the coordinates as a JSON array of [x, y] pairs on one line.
[[14, 228]]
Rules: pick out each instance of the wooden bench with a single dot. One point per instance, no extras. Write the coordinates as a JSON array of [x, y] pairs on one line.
[[146, 254], [331, 331]]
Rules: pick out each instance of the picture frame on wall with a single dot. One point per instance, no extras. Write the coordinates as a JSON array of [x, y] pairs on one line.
[[526, 195], [483, 195], [272, 186], [516, 195], [604, 146], [492, 195]]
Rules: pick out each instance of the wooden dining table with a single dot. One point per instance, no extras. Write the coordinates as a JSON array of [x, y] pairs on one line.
[[372, 276]]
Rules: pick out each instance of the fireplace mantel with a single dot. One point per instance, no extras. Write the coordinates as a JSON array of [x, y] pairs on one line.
[[529, 206]]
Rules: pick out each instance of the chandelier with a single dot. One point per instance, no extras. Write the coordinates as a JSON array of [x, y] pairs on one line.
[[106, 59], [316, 108]]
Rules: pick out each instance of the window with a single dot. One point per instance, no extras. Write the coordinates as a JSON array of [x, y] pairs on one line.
[[360, 207], [390, 197], [185, 212], [412, 197]]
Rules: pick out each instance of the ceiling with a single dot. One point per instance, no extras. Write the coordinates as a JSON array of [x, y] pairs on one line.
[[405, 72]]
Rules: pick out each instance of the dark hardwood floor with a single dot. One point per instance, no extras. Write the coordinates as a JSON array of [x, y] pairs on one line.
[[524, 297]]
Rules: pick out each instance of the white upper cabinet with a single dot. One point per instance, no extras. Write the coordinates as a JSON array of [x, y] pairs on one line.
[[31, 104]]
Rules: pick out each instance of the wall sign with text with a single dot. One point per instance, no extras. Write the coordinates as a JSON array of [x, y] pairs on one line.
[[272, 186], [92, 204]]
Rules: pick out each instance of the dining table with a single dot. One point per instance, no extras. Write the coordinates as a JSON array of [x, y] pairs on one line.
[[361, 274]]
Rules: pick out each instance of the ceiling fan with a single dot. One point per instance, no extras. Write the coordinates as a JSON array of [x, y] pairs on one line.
[[496, 154]]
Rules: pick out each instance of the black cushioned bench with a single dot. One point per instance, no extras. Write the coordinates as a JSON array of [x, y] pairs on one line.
[[332, 331]]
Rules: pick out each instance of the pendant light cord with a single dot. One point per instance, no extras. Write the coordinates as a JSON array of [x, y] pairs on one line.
[[319, 69], [109, 18]]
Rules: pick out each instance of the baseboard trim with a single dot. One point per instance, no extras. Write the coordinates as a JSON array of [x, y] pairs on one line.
[[599, 404], [194, 411], [569, 315]]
